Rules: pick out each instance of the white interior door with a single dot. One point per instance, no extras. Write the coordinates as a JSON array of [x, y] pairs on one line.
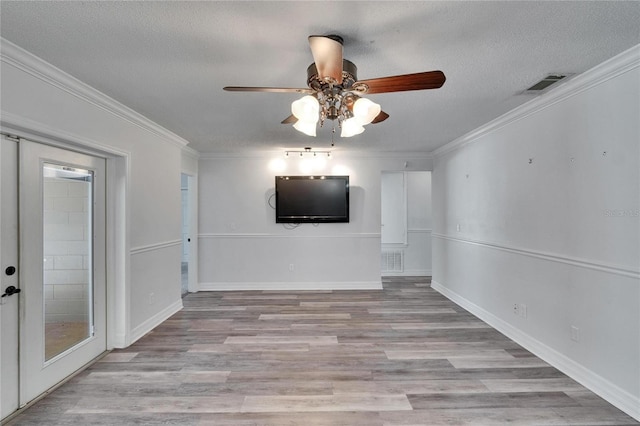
[[62, 264], [9, 277]]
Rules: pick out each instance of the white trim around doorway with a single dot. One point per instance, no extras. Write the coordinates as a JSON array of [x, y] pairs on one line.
[[117, 216]]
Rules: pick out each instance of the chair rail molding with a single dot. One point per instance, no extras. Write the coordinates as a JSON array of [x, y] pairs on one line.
[[155, 246], [626, 271]]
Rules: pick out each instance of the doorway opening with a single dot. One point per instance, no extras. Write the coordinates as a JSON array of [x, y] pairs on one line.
[[185, 190], [406, 223]]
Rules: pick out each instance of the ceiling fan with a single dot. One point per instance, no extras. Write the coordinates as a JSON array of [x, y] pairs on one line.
[[335, 93]]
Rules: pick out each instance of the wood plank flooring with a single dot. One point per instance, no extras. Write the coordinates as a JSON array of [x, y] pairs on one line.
[[401, 356]]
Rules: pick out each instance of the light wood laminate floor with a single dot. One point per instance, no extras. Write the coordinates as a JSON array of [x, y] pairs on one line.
[[402, 356]]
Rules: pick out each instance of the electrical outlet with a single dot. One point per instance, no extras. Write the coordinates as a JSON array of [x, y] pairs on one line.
[[516, 309], [291, 267], [575, 333], [458, 227]]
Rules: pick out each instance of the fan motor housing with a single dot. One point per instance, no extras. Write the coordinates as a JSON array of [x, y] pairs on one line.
[[349, 76]]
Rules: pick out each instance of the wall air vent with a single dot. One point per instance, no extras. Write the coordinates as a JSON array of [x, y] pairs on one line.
[[392, 261], [543, 84]]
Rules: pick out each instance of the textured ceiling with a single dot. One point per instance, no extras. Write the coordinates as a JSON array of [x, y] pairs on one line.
[[170, 60]]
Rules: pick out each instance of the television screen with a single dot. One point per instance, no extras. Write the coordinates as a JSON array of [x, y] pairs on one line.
[[312, 199]]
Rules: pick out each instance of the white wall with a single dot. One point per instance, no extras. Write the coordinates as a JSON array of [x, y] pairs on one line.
[[241, 246], [41, 101], [548, 200]]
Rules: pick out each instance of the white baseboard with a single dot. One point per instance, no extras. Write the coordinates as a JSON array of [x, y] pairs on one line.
[[117, 340], [293, 286], [155, 321], [409, 273], [597, 384]]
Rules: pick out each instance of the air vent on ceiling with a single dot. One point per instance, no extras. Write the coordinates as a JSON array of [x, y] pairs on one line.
[[545, 83]]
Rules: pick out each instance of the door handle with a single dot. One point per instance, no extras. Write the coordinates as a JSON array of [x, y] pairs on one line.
[[10, 290]]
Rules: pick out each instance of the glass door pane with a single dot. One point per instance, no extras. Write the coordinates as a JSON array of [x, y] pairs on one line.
[[67, 244]]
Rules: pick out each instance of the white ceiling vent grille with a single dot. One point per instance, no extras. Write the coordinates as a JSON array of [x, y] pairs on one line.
[[544, 84], [392, 261]]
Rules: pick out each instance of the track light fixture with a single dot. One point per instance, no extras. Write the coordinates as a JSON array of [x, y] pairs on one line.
[[308, 152]]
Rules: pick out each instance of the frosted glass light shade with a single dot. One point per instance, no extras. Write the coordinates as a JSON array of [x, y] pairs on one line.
[[365, 110], [306, 108], [351, 127], [306, 127], [307, 111]]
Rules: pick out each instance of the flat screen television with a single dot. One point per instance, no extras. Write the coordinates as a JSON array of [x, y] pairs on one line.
[[312, 199]]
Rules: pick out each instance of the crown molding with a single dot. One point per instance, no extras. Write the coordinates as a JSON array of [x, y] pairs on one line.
[[619, 64], [29, 129], [336, 153], [191, 152], [16, 56], [392, 155]]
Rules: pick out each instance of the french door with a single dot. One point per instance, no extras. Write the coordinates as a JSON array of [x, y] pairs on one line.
[[61, 315], [9, 274]]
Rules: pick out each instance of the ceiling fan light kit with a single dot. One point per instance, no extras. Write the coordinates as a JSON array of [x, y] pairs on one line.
[[334, 91], [306, 127], [306, 110], [365, 110], [351, 127]]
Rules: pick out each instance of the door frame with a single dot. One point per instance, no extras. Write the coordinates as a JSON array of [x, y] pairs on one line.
[[9, 333], [118, 165], [192, 201]]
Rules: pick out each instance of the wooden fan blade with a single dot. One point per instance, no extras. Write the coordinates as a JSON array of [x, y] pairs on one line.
[[405, 82], [380, 117], [289, 120], [267, 89], [327, 54]]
